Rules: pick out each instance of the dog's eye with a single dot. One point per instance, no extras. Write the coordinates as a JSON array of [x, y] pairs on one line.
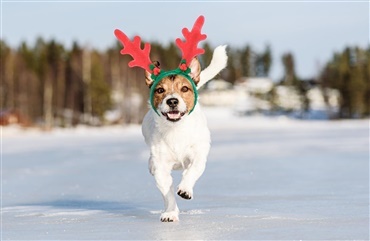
[[159, 90], [184, 89]]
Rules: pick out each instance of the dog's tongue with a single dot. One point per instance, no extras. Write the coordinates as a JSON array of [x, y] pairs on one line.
[[174, 114]]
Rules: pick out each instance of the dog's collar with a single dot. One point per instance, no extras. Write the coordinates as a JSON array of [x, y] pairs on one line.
[[163, 74]]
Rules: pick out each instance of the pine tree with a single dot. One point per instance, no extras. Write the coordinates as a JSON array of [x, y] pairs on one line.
[[7, 91], [231, 72], [290, 77], [266, 61], [245, 61], [99, 89], [171, 56], [25, 82], [74, 85], [366, 70], [206, 58], [348, 72]]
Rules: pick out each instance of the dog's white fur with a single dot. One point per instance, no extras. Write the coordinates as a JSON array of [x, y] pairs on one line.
[[180, 145], [218, 63]]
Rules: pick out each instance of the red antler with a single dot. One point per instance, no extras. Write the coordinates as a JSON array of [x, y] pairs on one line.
[[140, 56], [189, 47]]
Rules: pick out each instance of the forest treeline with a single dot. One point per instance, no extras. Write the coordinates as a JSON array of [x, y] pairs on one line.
[[52, 85]]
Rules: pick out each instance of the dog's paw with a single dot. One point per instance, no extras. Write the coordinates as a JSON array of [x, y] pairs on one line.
[[170, 216], [185, 194]]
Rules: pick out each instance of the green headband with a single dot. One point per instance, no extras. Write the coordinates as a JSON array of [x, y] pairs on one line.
[[178, 71]]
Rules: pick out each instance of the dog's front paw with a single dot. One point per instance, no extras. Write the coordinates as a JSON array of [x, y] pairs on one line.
[[170, 216], [184, 193]]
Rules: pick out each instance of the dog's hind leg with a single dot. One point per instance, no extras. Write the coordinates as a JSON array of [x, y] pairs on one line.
[[164, 181]]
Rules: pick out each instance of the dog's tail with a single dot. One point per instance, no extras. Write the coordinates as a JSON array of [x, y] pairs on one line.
[[218, 63]]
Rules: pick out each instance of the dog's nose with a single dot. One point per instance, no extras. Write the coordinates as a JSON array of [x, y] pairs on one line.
[[172, 102]]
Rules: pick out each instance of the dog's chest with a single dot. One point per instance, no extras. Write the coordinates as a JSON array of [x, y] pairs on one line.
[[178, 143]]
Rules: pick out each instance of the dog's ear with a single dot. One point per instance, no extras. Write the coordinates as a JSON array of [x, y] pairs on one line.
[[148, 79], [195, 70]]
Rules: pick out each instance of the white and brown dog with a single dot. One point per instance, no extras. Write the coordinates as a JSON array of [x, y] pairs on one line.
[[178, 140], [175, 128]]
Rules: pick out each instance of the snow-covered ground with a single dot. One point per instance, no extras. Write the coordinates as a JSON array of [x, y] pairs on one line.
[[266, 179]]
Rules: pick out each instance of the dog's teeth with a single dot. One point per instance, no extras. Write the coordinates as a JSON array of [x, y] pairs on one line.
[[174, 115]]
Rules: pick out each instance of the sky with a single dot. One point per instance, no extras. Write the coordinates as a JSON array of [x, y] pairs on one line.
[[311, 30]]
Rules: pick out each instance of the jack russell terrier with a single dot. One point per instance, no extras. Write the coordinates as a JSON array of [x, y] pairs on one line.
[[175, 128]]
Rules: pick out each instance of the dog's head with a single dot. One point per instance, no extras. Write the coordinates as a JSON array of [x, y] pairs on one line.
[[174, 95]]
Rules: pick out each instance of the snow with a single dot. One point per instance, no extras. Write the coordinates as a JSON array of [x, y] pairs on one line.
[[288, 98], [267, 178], [258, 85]]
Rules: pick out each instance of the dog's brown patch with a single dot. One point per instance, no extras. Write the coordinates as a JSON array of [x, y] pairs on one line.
[[175, 84]]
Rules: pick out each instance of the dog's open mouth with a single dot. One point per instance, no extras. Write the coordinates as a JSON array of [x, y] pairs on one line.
[[174, 115]]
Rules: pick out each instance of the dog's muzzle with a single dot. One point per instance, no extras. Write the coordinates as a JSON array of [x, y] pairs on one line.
[[174, 114]]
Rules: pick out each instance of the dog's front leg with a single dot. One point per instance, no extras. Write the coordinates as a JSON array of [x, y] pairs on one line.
[[190, 176], [164, 181]]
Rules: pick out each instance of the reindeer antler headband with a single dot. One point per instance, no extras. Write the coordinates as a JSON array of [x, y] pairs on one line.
[[189, 49]]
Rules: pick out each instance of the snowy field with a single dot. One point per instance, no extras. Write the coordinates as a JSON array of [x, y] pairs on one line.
[[266, 179]]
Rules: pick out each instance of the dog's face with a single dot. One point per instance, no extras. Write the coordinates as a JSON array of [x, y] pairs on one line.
[[174, 94]]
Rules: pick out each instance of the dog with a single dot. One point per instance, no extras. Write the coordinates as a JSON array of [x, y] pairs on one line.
[[175, 128]]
